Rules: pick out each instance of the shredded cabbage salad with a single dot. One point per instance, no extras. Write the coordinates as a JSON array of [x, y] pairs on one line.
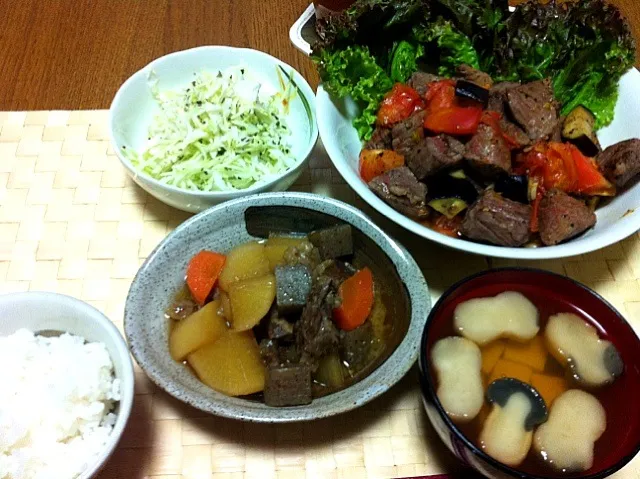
[[224, 131]]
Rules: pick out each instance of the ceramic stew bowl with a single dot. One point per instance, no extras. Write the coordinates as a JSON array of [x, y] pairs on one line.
[[562, 295], [223, 227]]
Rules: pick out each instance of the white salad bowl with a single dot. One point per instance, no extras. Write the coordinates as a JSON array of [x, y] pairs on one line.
[[615, 221], [133, 109], [51, 313]]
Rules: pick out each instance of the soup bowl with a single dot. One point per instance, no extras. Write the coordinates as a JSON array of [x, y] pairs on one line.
[[552, 294], [221, 229]]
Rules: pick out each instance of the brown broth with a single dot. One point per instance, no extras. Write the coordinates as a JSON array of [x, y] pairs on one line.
[[607, 395]]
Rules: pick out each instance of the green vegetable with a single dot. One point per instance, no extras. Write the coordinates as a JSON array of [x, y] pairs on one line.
[[404, 60], [223, 131], [454, 47], [354, 71]]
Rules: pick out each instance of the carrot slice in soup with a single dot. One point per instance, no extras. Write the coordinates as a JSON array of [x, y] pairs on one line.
[[202, 273]]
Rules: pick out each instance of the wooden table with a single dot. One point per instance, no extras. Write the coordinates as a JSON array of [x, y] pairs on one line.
[[70, 54]]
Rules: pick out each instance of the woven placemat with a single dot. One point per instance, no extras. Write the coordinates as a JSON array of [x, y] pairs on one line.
[[72, 221]]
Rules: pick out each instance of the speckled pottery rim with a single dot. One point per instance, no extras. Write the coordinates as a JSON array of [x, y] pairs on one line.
[[162, 274]]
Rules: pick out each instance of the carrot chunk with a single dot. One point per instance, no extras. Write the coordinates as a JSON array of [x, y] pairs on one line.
[[549, 387], [202, 274], [356, 294], [511, 369], [491, 353], [533, 353]]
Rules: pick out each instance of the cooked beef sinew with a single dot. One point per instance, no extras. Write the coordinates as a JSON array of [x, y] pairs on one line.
[[497, 220], [433, 154], [562, 217], [402, 191], [488, 152], [534, 107], [621, 162]]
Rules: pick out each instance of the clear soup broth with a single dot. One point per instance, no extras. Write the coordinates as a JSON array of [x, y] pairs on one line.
[[532, 363]]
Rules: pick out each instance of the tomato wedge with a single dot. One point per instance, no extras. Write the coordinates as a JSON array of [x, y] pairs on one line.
[[376, 162], [454, 121], [399, 104], [356, 294]]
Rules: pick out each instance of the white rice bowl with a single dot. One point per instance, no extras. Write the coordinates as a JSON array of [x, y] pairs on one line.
[[57, 397]]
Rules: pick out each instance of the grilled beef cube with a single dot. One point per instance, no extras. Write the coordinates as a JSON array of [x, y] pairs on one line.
[[333, 242], [476, 76], [408, 133], [515, 133], [562, 217], [488, 152], [316, 334], [498, 96], [402, 191], [288, 386], [380, 140], [534, 107], [293, 284], [497, 220], [433, 154], [620, 162], [420, 81]]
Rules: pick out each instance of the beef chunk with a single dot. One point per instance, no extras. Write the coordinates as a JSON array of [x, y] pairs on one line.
[[279, 328], [333, 242], [338, 271], [355, 346], [488, 151], [534, 107], [316, 335], [181, 309], [620, 162], [408, 133], [562, 217], [269, 352], [380, 140], [498, 96], [497, 220], [305, 254], [420, 81], [293, 284], [515, 133], [288, 386], [475, 76], [402, 191], [433, 154]]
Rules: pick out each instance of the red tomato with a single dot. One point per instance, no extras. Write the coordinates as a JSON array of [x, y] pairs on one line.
[[591, 181], [441, 95], [454, 121], [375, 162], [399, 104]]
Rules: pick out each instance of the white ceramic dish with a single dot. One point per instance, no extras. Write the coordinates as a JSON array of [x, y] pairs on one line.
[[617, 220], [133, 108], [38, 312]]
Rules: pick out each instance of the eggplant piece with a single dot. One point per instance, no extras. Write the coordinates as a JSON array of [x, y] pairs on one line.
[[471, 91], [513, 187], [448, 186], [579, 129], [450, 207]]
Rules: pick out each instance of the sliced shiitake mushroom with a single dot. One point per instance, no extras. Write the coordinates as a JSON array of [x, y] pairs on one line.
[[507, 315], [508, 431], [576, 345], [566, 440], [457, 363]]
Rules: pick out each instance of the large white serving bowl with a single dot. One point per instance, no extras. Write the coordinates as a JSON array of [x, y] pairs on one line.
[[617, 220], [133, 109], [52, 313]]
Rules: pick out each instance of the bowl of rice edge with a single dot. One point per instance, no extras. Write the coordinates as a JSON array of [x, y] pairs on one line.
[[68, 387], [206, 125]]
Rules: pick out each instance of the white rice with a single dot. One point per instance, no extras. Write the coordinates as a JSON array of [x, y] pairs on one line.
[[56, 398]]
